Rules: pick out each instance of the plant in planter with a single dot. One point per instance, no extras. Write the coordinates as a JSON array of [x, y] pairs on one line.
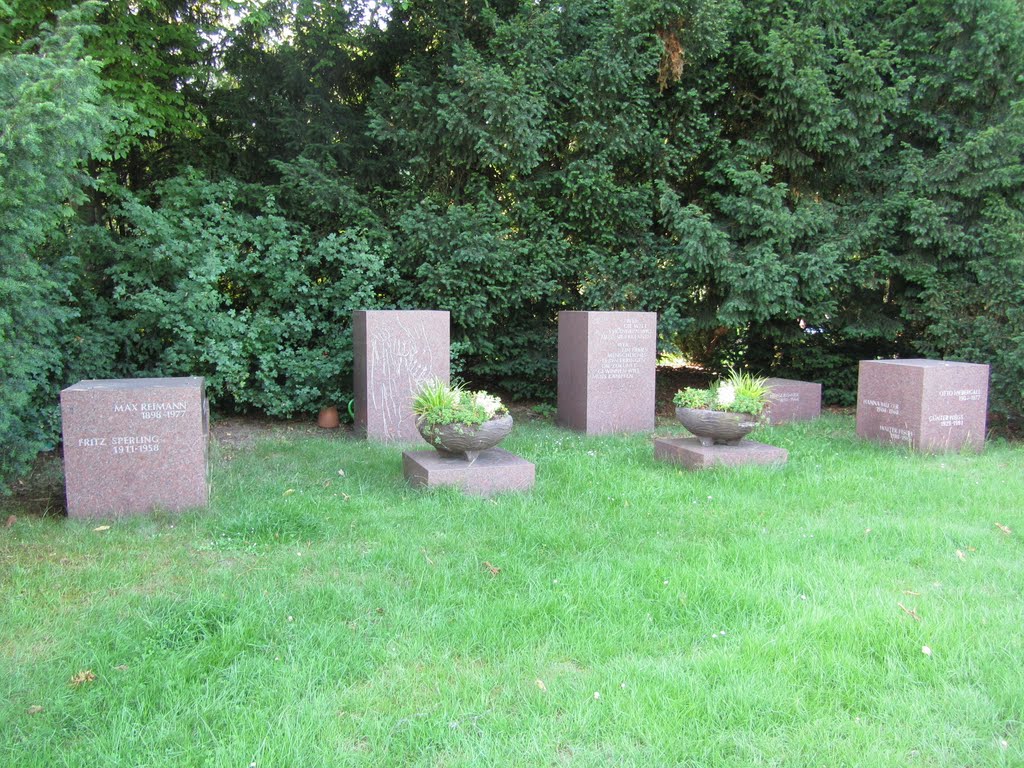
[[459, 423], [725, 412]]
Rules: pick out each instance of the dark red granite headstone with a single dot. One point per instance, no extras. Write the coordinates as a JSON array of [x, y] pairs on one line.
[[134, 445], [494, 471], [606, 364], [394, 352], [792, 400], [927, 405]]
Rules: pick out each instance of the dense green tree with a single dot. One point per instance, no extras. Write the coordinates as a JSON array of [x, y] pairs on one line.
[[157, 60], [793, 185], [956, 201], [53, 115]]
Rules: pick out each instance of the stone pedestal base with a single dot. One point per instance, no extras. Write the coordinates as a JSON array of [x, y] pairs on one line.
[[689, 453], [495, 470]]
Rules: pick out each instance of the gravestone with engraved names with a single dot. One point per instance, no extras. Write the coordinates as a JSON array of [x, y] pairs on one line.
[[135, 445], [792, 400], [934, 406], [606, 365], [394, 352]]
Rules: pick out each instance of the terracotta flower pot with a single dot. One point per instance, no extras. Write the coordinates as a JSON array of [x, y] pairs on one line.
[[721, 427], [465, 441], [328, 418]]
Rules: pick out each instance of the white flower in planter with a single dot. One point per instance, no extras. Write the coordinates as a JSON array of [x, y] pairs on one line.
[[726, 394], [491, 404]]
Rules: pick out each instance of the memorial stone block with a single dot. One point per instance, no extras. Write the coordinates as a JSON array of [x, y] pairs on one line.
[[134, 445], [394, 352], [493, 471], [927, 405], [606, 364], [791, 400]]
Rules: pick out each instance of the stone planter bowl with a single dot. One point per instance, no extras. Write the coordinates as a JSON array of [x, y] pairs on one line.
[[465, 441], [720, 427]]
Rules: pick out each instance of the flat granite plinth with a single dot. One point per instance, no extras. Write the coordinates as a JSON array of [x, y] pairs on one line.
[[689, 453], [495, 470], [134, 445], [606, 365], [394, 351], [792, 400], [934, 406]]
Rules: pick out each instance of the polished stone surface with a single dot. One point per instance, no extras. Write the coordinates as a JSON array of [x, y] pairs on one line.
[[792, 400], [933, 406], [606, 365], [494, 471], [689, 453], [134, 445], [394, 351]]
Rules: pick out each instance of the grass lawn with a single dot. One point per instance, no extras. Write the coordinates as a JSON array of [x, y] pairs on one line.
[[858, 607]]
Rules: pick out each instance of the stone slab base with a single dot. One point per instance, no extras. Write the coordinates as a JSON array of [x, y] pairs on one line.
[[689, 453], [495, 470]]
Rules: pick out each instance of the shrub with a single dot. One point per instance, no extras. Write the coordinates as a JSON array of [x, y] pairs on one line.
[[209, 278]]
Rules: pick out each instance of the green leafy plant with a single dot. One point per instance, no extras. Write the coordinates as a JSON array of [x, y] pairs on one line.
[[739, 393], [441, 403], [545, 410]]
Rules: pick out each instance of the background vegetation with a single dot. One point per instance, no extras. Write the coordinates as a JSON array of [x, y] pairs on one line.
[[210, 186]]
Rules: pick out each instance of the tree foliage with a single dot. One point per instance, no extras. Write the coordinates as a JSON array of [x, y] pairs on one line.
[[52, 118], [793, 185], [211, 280]]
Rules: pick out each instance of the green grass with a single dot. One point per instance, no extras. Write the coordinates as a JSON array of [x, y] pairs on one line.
[[728, 618]]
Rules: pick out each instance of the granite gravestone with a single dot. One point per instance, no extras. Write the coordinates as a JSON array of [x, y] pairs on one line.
[[134, 445], [927, 405], [394, 352], [493, 471], [791, 400], [606, 364]]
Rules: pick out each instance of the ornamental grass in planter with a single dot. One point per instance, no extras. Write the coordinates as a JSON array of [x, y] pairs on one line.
[[457, 422], [725, 412]]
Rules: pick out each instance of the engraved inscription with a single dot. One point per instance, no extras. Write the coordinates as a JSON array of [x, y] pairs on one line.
[[153, 410], [898, 435], [784, 397], [963, 395], [947, 420], [883, 407], [630, 351], [123, 444], [149, 415], [135, 448], [397, 360]]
